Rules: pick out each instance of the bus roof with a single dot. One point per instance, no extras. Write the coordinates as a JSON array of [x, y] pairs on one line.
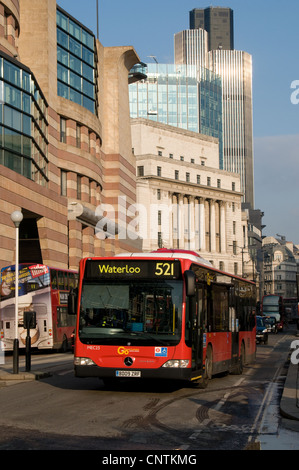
[[183, 254], [168, 254]]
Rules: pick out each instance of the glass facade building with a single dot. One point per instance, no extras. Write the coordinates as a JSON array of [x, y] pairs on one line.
[[235, 71], [235, 68], [76, 62], [23, 122], [180, 96]]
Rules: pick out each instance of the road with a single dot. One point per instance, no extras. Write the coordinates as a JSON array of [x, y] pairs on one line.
[[65, 412]]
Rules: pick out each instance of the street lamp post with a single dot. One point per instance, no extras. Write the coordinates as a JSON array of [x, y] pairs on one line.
[[242, 251], [17, 218]]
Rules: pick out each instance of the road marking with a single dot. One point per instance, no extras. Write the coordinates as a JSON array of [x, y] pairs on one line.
[[217, 407]]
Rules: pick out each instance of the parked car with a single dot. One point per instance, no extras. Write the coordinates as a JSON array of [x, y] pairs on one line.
[[271, 324], [261, 330]]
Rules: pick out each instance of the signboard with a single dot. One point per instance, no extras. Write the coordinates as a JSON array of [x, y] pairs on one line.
[[132, 269], [31, 278]]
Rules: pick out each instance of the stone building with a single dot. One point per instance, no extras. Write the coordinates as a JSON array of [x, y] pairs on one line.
[[280, 268], [184, 200]]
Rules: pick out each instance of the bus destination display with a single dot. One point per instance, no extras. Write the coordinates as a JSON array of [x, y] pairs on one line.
[[143, 269]]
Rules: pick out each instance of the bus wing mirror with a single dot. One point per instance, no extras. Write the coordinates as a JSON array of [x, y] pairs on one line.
[[190, 283], [72, 301]]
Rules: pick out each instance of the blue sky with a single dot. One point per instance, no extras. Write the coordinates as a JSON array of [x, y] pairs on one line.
[[268, 30]]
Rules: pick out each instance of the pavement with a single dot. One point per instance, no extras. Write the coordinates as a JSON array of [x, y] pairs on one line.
[[289, 404]]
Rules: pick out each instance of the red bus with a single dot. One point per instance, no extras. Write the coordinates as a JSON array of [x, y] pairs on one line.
[[43, 290], [163, 315], [273, 306]]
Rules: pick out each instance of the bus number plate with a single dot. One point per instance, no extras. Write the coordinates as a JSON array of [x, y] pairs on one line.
[[128, 373]]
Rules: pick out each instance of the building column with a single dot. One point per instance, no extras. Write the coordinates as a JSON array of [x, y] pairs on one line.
[[196, 224], [181, 224], [187, 224], [212, 226], [175, 220], [222, 227], [202, 228]]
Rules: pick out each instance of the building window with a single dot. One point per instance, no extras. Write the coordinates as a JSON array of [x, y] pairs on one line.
[[198, 179], [234, 186], [24, 124], [181, 158], [79, 179], [171, 155], [89, 141], [78, 136], [159, 171], [208, 181], [234, 228], [63, 183], [160, 243], [235, 268], [233, 207], [140, 171], [159, 217], [160, 153], [188, 177], [234, 247], [218, 183], [76, 63], [176, 174], [63, 130], [159, 194], [192, 160]]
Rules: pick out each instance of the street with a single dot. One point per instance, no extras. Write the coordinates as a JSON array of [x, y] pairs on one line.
[[233, 413]]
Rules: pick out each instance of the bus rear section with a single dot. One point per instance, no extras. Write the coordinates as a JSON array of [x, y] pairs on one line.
[[40, 291], [159, 318], [272, 306]]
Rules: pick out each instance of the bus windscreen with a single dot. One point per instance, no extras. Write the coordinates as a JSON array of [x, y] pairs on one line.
[[127, 312]]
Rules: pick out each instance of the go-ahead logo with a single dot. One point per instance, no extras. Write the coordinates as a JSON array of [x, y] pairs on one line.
[[122, 351]]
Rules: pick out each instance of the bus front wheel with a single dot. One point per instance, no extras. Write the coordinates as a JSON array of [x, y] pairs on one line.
[[64, 345], [238, 368]]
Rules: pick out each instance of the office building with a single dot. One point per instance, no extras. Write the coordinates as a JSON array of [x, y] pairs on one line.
[[235, 69], [180, 95], [184, 200], [65, 146], [219, 24]]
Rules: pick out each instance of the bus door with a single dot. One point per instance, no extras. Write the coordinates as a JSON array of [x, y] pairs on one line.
[[234, 328], [197, 327]]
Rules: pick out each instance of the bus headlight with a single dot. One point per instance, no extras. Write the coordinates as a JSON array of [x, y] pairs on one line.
[[177, 363], [83, 361]]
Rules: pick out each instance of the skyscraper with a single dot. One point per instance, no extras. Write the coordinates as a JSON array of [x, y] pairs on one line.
[[235, 69], [218, 22]]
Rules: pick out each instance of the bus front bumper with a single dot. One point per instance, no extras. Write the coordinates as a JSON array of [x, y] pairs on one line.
[[184, 374]]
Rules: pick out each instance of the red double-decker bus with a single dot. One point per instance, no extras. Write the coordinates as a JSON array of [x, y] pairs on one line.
[[163, 315], [273, 306], [43, 290]]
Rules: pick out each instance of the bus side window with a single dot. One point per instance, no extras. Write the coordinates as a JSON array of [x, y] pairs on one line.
[[72, 281], [53, 278], [61, 283]]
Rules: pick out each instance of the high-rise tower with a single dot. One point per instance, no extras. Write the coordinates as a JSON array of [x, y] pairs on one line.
[[235, 69], [218, 22]]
